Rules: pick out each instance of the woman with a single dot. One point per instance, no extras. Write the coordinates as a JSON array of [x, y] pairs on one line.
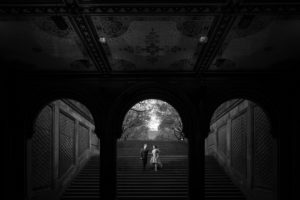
[[155, 160]]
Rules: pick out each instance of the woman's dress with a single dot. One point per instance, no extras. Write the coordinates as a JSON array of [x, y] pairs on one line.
[[155, 158]]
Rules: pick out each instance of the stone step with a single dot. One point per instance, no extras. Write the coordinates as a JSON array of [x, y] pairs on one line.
[[170, 182]]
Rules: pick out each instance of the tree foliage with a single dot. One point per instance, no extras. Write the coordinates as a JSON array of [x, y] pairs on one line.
[[137, 119]]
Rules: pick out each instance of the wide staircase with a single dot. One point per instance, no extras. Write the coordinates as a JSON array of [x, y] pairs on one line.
[[170, 182], [218, 185], [86, 185]]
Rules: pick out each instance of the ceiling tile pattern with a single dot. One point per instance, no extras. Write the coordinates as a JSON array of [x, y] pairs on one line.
[[32, 1], [258, 43], [43, 43], [152, 43], [63, 35]]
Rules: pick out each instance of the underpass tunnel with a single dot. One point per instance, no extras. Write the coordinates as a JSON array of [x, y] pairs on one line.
[[62, 143], [240, 153]]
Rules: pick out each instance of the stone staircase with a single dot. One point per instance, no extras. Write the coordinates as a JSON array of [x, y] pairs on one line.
[[170, 182], [86, 185], [132, 147], [218, 185]]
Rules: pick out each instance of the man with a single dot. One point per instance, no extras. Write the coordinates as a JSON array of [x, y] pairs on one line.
[[144, 155]]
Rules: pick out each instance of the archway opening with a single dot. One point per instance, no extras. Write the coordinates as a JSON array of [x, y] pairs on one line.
[[152, 152], [152, 119], [62, 147], [240, 152]]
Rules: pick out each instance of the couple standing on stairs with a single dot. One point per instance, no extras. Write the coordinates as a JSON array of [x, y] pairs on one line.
[[155, 160]]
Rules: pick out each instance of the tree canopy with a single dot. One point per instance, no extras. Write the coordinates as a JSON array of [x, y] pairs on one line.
[[152, 119]]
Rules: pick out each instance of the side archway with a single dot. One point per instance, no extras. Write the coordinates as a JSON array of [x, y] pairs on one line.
[[44, 97], [257, 96], [60, 138], [241, 140]]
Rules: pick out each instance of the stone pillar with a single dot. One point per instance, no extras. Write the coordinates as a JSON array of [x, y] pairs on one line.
[[196, 167], [249, 145], [29, 168], [107, 164], [285, 155], [275, 169], [196, 162], [90, 139], [14, 171], [215, 139], [55, 144], [76, 143], [228, 143]]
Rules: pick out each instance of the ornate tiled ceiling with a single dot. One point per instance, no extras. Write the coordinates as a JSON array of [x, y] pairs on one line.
[[259, 42], [39, 43], [63, 35], [152, 43]]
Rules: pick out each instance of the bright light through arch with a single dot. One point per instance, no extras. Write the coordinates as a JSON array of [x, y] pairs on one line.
[[154, 122], [152, 119]]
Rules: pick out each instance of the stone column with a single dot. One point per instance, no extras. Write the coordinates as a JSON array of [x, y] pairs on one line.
[[29, 168], [107, 163], [197, 159], [228, 143], [196, 166], [55, 144], [285, 154], [76, 143], [249, 145], [90, 139]]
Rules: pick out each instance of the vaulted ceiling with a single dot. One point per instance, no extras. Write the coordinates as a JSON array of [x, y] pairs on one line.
[[139, 36]]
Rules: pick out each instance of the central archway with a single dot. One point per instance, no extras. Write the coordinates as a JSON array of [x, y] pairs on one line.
[[152, 152], [152, 119]]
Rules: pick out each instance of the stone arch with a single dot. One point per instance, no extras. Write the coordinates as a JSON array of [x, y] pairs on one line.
[[256, 96], [154, 123], [259, 146], [43, 98], [81, 140], [168, 94]]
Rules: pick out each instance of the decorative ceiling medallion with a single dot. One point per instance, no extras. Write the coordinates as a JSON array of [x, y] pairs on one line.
[[196, 27], [111, 27], [152, 49], [152, 42], [57, 26], [250, 24]]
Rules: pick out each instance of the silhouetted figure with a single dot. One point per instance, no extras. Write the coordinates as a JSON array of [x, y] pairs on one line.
[[155, 160], [144, 155]]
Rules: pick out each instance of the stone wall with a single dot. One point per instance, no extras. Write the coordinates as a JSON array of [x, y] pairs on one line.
[[241, 140], [63, 140]]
